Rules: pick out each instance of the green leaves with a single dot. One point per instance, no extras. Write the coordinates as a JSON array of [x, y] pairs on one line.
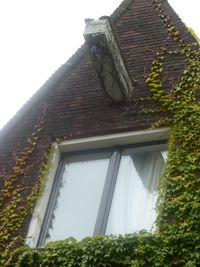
[[176, 241]]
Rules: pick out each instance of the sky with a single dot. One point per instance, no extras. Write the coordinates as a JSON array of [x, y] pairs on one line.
[[37, 36]]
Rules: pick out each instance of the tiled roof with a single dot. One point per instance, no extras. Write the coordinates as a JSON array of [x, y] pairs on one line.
[[138, 32], [73, 95], [54, 79]]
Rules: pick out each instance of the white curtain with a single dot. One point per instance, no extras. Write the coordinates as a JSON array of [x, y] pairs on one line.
[[135, 196]]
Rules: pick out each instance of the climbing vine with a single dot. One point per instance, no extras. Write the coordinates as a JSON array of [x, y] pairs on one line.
[[176, 241], [14, 205]]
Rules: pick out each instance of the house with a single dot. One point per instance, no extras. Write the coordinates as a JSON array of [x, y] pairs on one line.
[[82, 151]]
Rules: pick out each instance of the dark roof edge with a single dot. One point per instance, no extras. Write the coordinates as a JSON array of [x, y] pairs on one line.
[[184, 25], [56, 76], [71, 62], [120, 10], [50, 83]]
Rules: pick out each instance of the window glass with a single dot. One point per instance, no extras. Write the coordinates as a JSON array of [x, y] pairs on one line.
[[79, 197], [135, 195], [104, 192]]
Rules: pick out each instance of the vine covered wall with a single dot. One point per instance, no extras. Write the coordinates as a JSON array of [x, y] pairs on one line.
[[176, 241]]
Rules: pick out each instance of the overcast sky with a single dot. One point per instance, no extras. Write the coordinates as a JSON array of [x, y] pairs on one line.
[[37, 36]]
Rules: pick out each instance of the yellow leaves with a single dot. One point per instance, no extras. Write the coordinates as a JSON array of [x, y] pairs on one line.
[[155, 85], [31, 141], [176, 33], [17, 170], [21, 161], [28, 150], [15, 208], [170, 28], [154, 75]]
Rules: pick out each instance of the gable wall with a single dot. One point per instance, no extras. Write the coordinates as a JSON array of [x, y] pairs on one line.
[[78, 107]]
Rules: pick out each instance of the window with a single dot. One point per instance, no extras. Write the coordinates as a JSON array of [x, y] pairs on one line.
[[106, 191]]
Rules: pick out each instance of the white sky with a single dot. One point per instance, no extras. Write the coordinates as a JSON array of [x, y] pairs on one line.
[[37, 36]]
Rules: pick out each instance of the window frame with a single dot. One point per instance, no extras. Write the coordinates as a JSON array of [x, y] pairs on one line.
[[118, 142]]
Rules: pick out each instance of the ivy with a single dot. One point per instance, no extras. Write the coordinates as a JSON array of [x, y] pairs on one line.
[[14, 205], [176, 241]]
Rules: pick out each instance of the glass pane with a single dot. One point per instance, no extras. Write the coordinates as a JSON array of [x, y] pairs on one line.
[[79, 198], [135, 196], [164, 155]]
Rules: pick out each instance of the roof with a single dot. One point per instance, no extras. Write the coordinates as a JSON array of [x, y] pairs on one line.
[[54, 79], [141, 20]]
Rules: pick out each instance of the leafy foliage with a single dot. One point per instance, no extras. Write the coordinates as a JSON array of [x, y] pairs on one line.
[[176, 241]]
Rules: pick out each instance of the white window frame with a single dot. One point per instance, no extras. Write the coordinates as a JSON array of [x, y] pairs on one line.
[[104, 141]]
